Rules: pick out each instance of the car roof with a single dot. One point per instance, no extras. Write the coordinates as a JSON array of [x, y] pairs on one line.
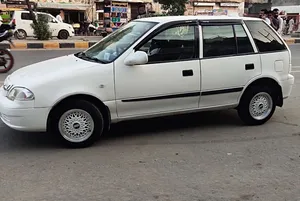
[[166, 19]]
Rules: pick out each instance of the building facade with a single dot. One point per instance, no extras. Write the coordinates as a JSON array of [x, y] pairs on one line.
[[215, 7], [252, 7]]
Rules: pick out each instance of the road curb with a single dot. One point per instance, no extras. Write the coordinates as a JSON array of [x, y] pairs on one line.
[[291, 41], [48, 45]]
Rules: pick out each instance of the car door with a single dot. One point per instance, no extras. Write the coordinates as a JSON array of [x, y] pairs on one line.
[[25, 23], [170, 81], [229, 61], [54, 25]]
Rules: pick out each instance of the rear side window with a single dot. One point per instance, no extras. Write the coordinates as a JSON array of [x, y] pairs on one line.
[[265, 38], [225, 40], [243, 43], [25, 16]]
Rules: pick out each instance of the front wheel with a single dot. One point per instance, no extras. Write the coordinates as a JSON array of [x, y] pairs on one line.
[[6, 61], [78, 123], [63, 34], [257, 105]]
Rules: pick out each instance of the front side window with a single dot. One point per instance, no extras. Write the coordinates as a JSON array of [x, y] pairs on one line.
[[176, 43], [265, 38], [45, 16], [115, 44]]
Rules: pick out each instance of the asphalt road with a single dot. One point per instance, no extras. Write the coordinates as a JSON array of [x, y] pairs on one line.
[[209, 156]]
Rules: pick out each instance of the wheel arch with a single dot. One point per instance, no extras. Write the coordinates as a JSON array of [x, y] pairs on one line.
[[266, 81], [96, 101]]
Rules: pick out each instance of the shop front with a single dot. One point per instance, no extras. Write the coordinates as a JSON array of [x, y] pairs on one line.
[[121, 11], [73, 13]]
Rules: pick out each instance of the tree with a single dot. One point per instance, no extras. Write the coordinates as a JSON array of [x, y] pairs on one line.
[[41, 27], [174, 7]]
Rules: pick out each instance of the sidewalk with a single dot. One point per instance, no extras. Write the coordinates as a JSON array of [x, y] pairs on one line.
[[79, 43], [291, 40]]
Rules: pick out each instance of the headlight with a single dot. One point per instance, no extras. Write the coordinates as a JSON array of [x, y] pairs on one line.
[[20, 94]]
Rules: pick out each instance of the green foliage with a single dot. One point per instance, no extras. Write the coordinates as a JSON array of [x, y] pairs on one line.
[[41, 28], [174, 7]]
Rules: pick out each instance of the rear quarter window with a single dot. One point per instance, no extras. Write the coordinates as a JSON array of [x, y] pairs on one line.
[[264, 37]]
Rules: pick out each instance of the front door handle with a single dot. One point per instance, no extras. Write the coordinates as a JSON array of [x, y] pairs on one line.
[[186, 73], [249, 66]]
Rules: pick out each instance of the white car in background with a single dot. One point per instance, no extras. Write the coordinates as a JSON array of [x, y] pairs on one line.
[[58, 29], [153, 67]]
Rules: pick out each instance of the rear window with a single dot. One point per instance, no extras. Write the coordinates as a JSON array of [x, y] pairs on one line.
[[265, 38]]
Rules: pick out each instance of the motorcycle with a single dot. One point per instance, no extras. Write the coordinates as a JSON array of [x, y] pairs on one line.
[[6, 58]]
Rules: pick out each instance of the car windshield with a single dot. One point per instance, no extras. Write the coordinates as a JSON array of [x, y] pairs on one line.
[[112, 46]]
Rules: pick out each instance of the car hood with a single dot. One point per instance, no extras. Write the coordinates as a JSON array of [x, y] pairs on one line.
[[49, 69]]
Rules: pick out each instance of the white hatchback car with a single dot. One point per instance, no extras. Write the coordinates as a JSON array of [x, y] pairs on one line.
[[153, 67], [23, 23]]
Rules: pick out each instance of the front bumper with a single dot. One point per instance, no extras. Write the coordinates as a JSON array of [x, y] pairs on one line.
[[72, 33], [21, 118], [287, 86]]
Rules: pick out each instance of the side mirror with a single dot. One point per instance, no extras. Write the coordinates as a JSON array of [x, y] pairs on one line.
[[137, 58]]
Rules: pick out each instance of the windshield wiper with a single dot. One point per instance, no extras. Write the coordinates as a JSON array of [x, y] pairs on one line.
[[83, 55], [97, 60]]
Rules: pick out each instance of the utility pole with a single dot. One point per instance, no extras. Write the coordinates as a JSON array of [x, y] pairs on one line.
[[30, 11]]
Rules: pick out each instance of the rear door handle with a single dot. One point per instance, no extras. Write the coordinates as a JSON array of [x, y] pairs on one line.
[[186, 73], [249, 66]]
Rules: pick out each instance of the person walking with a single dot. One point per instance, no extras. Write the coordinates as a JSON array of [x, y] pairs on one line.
[[59, 17], [263, 14], [291, 25], [277, 22]]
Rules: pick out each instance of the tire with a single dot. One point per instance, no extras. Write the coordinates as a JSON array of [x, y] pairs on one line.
[[263, 101], [63, 34], [20, 34], [70, 117], [5, 69]]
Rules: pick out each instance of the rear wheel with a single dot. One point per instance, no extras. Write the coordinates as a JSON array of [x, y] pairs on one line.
[[257, 105], [78, 123], [6, 61], [20, 34]]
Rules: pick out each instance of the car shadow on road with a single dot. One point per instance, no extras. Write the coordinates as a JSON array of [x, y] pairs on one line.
[[130, 129], [171, 124]]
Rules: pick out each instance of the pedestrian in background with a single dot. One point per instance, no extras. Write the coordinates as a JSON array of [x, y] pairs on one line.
[[263, 14], [59, 17], [291, 25], [277, 22]]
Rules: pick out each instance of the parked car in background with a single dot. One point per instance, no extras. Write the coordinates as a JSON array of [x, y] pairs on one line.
[[153, 67], [58, 29]]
